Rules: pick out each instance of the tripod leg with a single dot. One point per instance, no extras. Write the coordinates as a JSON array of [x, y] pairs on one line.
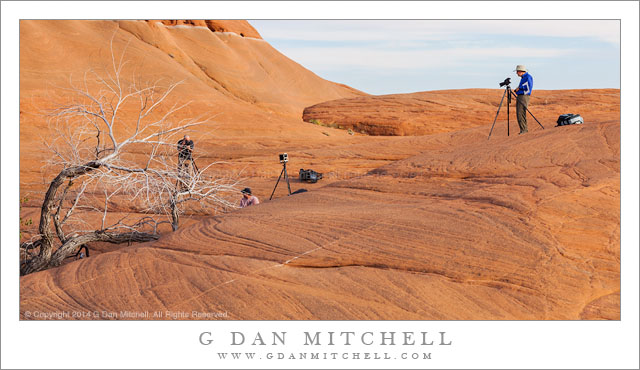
[[274, 188], [498, 112], [195, 168], [534, 117], [508, 106], [286, 176]]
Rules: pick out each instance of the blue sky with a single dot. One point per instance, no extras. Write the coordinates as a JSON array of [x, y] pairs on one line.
[[401, 56]]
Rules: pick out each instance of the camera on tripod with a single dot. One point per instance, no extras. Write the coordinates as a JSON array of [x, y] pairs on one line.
[[284, 158], [508, 93], [506, 82]]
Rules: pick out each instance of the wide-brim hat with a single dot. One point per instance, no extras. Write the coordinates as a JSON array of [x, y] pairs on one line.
[[246, 191], [520, 67]]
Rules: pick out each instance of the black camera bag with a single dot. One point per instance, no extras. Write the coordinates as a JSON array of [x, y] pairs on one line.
[[570, 119], [310, 176]]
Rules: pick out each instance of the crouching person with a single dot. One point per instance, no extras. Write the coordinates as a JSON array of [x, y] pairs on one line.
[[248, 199]]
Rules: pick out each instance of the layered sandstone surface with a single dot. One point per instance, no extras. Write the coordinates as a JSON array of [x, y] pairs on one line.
[[430, 112], [442, 226], [524, 228]]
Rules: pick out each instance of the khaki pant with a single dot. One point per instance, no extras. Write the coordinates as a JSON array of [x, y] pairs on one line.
[[522, 102]]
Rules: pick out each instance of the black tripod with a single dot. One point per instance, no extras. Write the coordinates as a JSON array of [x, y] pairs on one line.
[[286, 176], [196, 170], [185, 173], [508, 93]]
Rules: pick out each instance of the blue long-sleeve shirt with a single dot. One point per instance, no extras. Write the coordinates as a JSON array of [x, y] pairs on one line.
[[526, 85]]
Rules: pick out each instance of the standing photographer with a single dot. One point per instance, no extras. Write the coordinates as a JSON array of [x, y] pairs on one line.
[[185, 150], [523, 92]]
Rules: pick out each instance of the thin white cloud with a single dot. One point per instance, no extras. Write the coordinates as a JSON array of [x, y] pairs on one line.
[[327, 58], [381, 30], [359, 51]]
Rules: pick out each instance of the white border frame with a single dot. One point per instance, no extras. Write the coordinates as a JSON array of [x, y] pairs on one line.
[[477, 344]]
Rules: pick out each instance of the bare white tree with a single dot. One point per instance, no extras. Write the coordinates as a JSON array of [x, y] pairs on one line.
[[116, 140]]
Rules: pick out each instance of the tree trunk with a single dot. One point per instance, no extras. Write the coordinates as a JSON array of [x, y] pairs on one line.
[[48, 205], [68, 248], [72, 244], [56, 215], [175, 215]]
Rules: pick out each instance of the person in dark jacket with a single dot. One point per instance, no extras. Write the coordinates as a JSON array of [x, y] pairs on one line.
[[185, 150], [523, 95]]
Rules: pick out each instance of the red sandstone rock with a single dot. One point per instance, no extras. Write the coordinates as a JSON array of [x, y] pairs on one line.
[[431, 112], [239, 27], [445, 226]]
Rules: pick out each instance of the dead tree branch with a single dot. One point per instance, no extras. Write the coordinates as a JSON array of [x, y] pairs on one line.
[[116, 144]]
